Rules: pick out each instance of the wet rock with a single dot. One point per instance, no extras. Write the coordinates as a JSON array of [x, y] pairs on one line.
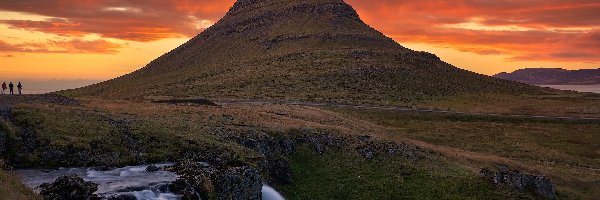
[[186, 190], [152, 168], [537, 184], [239, 183], [210, 182], [123, 197], [69, 187]]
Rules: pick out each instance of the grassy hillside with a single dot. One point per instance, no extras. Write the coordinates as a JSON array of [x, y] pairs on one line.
[[314, 50], [565, 150]]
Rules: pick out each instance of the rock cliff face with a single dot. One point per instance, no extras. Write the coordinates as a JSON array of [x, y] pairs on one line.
[[553, 76], [537, 184], [317, 50]]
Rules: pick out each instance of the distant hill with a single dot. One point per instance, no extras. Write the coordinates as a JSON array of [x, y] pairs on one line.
[[315, 50], [553, 76]]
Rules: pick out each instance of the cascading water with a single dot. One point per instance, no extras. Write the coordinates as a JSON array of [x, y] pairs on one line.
[[268, 193], [134, 181]]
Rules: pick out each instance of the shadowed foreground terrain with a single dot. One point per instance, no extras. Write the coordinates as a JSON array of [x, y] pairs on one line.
[[339, 153]]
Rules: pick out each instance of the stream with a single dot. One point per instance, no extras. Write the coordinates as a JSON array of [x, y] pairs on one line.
[[132, 180]]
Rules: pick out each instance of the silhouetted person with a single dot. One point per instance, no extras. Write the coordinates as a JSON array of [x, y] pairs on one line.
[[3, 87], [20, 87], [11, 87]]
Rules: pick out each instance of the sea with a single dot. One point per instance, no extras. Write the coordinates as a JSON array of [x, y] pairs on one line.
[[578, 88]]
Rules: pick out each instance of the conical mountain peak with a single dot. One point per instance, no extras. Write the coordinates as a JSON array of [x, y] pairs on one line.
[[313, 50]]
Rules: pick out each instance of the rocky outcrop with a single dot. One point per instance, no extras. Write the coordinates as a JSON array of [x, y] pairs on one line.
[[211, 182], [69, 188], [537, 184], [3, 140]]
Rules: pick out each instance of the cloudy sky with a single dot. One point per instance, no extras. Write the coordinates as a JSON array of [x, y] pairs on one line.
[[102, 39]]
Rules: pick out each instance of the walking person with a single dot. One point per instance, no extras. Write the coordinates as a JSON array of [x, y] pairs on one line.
[[20, 87], [3, 87], [11, 88]]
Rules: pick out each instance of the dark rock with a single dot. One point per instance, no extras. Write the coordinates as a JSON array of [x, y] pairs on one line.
[[3, 142], [198, 102], [186, 190], [367, 152], [319, 148], [239, 183], [123, 197], [69, 187], [288, 146], [280, 170], [537, 184], [152, 168], [364, 138], [210, 182], [409, 152]]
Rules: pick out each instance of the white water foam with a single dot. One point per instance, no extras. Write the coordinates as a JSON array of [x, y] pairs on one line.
[[268, 193], [132, 180]]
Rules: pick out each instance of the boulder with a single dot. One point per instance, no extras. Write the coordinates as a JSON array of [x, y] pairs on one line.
[[537, 184], [123, 197], [152, 168], [210, 182], [70, 187]]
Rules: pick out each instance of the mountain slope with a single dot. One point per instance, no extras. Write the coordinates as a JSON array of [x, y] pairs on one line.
[[553, 76], [316, 50]]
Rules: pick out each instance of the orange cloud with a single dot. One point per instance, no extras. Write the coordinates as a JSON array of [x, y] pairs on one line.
[[74, 46], [548, 30], [134, 20]]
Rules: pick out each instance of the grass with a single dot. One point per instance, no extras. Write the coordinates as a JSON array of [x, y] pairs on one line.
[[11, 188], [133, 139], [564, 150], [339, 175], [552, 104], [567, 151]]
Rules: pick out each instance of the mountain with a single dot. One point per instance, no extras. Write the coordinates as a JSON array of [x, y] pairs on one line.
[[553, 76], [315, 50]]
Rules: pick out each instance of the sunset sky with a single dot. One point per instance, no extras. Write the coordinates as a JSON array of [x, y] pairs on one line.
[[102, 39]]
